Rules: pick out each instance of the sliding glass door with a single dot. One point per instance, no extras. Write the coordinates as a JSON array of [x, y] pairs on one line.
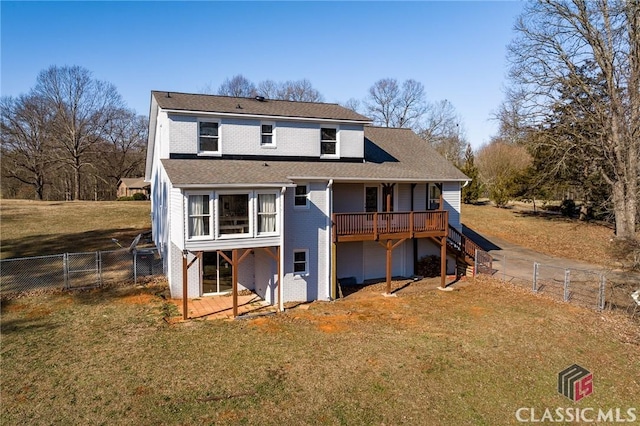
[[216, 273]]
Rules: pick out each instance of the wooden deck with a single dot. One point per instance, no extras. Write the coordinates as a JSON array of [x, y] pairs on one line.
[[385, 226]]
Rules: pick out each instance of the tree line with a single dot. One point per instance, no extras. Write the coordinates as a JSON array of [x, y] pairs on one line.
[[71, 137], [570, 123]]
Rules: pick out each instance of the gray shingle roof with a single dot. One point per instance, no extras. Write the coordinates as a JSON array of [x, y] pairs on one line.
[[252, 106], [390, 155]]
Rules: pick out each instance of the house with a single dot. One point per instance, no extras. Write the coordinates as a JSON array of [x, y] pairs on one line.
[[285, 198], [129, 186]]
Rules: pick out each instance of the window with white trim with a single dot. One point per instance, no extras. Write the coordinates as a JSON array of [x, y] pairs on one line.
[[209, 136], [329, 141], [301, 262], [199, 215], [301, 199], [233, 214], [267, 213], [267, 134]]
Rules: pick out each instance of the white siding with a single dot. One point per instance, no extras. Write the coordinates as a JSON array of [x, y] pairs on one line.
[[375, 260], [183, 134], [403, 192], [420, 197], [349, 260], [265, 276], [451, 197], [348, 197], [177, 217], [306, 229], [352, 141]]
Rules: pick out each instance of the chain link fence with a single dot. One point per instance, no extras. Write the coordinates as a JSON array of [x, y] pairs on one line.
[[76, 270], [590, 288]]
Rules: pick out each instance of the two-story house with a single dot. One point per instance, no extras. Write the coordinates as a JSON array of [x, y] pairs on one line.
[[285, 198]]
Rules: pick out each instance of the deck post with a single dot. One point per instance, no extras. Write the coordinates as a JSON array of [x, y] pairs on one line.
[[234, 278], [389, 259], [443, 261]]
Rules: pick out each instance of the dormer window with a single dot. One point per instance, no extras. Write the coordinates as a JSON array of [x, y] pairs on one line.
[[267, 134], [328, 142], [209, 137]]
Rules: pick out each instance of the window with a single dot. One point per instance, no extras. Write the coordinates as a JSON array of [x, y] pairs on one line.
[[267, 134], [434, 197], [266, 213], [209, 139], [301, 197], [233, 214], [300, 262], [199, 216], [371, 199], [328, 141]]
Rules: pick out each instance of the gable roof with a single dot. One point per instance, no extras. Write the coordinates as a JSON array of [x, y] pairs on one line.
[[134, 183], [254, 106], [391, 155]]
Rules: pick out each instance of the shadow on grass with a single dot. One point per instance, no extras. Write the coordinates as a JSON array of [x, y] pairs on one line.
[[98, 240], [110, 293]]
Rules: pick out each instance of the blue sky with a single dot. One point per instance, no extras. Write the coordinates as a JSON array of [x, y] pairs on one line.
[[456, 49]]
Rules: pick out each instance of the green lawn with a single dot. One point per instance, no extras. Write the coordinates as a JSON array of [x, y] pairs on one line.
[[470, 356]]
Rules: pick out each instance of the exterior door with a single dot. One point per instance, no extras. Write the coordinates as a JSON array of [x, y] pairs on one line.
[[216, 273]]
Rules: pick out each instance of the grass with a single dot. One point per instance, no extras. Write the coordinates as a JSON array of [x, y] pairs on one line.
[[550, 234], [37, 228], [470, 356]]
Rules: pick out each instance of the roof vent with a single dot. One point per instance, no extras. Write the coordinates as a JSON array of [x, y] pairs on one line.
[[260, 98], [168, 94], [238, 106]]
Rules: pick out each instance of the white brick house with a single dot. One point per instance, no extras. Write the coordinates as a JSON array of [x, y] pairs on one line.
[[266, 186]]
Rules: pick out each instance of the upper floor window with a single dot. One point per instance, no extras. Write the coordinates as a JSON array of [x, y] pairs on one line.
[[199, 216], [267, 134], [434, 197], [209, 136], [328, 141], [301, 197]]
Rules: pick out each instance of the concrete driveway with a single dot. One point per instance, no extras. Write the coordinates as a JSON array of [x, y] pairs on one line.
[[514, 263]]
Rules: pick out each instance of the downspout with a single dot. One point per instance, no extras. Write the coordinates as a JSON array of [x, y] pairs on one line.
[[282, 254], [330, 259]]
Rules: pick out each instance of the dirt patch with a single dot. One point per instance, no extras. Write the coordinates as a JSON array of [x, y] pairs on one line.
[[266, 324], [137, 299], [38, 312]]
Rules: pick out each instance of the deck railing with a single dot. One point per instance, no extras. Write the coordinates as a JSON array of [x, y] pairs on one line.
[[374, 224], [462, 243]]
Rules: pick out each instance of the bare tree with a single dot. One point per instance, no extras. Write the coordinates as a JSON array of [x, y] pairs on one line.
[[442, 127], [82, 108], [499, 164], [391, 105], [353, 104], [557, 41], [25, 126], [298, 90], [268, 89], [237, 86], [122, 151]]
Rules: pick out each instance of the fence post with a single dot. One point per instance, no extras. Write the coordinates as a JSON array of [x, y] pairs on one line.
[[475, 263], [601, 293], [65, 270], [535, 277], [135, 267], [567, 279], [97, 268]]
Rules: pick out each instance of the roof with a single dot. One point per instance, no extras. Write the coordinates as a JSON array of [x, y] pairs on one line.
[[390, 155], [134, 183], [254, 106]]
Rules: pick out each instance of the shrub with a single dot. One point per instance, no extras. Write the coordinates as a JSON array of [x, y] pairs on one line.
[[429, 266], [138, 196], [125, 198], [568, 208]]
